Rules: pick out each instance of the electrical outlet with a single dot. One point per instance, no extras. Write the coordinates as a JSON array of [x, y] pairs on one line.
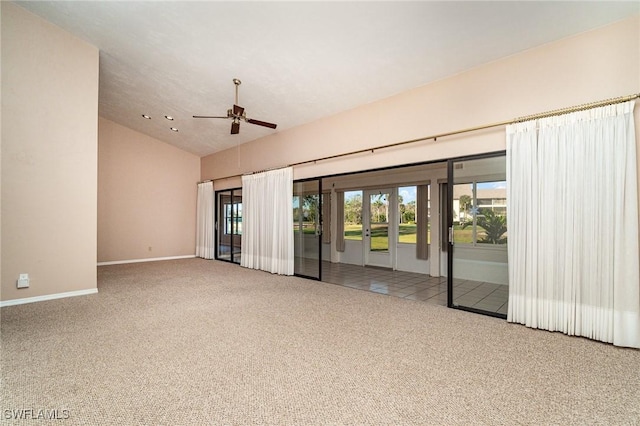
[[23, 281]]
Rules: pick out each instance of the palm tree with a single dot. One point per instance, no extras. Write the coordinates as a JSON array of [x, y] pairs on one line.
[[494, 226], [379, 208], [465, 202]]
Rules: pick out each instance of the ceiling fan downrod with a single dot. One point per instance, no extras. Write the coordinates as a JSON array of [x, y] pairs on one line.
[[237, 83]]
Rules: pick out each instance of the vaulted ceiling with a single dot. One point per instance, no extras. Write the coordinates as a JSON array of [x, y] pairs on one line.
[[298, 61]]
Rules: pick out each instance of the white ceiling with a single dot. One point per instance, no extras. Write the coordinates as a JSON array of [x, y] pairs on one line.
[[298, 61]]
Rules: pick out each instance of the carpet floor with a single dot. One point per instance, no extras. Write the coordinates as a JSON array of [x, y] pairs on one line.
[[197, 342]]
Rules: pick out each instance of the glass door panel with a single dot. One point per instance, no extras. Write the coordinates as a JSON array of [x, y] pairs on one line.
[[229, 225], [307, 228], [223, 225], [377, 231], [379, 227], [478, 269], [236, 226]]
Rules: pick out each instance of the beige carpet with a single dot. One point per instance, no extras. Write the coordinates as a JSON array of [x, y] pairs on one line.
[[196, 342]]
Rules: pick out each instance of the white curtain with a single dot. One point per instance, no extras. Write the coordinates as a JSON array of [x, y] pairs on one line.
[[205, 221], [267, 234], [573, 225]]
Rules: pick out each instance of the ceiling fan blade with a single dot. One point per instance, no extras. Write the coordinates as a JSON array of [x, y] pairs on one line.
[[237, 110], [208, 116], [235, 128], [261, 123]]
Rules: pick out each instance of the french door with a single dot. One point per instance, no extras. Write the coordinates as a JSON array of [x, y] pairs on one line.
[[307, 228], [379, 232]]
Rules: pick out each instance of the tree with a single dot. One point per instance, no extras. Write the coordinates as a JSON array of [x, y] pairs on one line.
[[409, 214], [310, 207], [353, 210], [465, 202], [494, 226], [379, 209]]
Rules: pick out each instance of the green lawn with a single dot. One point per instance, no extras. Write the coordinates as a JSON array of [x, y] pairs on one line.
[[462, 235], [308, 228], [466, 235], [407, 233], [380, 238]]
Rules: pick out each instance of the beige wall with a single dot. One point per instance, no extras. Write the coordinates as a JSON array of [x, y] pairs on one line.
[[146, 196], [0, 158], [592, 66], [49, 157]]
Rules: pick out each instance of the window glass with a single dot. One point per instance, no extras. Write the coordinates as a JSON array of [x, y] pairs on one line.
[[379, 221], [353, 215], [233, 218], [407, 228], [480, 213], [490, 212], [306, 216]]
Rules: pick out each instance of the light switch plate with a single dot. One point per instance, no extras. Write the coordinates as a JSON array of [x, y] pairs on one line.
[[23, 281]]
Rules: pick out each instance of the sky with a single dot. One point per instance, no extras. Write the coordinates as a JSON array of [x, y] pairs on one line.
[[408, 194]]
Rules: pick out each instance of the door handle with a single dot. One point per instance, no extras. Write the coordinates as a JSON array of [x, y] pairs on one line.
[[451, 235]]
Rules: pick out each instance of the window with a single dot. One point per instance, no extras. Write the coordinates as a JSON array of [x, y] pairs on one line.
[[233, 218], [306, 216], [407, 229], [480, 213], [353, 215]]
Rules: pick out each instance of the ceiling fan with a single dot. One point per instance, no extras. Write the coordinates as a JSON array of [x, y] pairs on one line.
[[237, 113]]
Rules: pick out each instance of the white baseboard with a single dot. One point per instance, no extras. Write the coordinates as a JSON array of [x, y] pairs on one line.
[[47, 297], [152, 259]]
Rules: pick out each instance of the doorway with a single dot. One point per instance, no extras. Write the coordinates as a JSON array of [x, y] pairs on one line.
[[379, 236], [229, 225], [477, 258], [307, 228]]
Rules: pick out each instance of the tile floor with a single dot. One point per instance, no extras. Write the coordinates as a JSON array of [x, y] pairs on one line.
[[413, 286]]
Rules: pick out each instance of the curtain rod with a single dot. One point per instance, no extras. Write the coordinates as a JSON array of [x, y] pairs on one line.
[[577, 108], [435, 137], [262, 171]]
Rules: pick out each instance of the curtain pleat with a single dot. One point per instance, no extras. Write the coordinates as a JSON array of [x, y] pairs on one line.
[[267, 219], [340, 221], [205, 244], [422, 218], [326, 217], [573, 225]]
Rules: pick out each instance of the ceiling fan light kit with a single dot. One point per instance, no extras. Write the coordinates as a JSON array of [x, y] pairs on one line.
[[238, 114]]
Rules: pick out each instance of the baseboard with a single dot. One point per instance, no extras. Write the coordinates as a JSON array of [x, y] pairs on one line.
[[34, 299], [152, 259]]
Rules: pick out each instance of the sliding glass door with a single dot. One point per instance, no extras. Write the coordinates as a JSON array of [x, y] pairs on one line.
[[229, 225], [307, 228], [478, 269]]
